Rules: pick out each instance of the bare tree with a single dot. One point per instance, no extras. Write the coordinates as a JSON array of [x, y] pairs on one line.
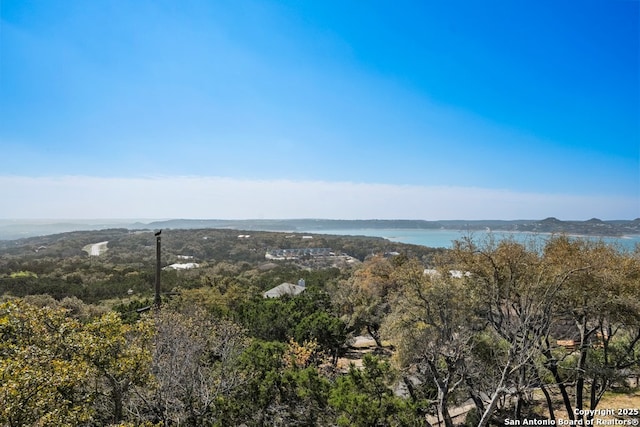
[[599, 304], [195, 362], [515, 291], [433, 326]]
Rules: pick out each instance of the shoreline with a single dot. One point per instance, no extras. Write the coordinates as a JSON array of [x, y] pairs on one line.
[[443, 238]]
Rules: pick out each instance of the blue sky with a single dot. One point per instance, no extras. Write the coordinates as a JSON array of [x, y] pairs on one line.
[[334, 109]]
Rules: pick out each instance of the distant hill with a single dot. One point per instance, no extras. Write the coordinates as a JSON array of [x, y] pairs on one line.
[[592, 227], [16, 229]]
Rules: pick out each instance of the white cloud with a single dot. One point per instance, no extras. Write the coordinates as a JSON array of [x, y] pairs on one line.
[[225, 198]]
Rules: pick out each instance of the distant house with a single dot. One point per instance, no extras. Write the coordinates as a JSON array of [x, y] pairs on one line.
[[182, 266], [456, 274], [284, 289]]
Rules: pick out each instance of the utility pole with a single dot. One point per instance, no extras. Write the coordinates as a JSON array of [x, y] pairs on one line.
[[158, 269]]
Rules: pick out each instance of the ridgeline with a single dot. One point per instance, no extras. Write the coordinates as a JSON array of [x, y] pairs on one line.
[[16, 229]]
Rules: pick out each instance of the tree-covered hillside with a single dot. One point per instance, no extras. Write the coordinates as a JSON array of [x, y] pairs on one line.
[[58, 265], [487, 333]]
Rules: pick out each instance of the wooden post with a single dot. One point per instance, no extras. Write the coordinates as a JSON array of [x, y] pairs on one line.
[[158, 270]]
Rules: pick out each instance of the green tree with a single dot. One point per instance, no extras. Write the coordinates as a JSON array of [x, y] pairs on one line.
[[282, 388], [120, 358], [363, 299], [303, 317], [363, 397], [44, 379]]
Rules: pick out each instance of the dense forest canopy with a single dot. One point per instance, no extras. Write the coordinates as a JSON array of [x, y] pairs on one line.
[[486, 333]]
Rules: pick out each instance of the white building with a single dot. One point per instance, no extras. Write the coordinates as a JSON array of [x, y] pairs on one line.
[[284, 289]]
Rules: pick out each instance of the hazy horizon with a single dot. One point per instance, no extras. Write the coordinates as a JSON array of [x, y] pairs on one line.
[[92, 221], [200, 197]]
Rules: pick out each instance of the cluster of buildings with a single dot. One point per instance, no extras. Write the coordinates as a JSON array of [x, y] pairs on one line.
[[297, 253]]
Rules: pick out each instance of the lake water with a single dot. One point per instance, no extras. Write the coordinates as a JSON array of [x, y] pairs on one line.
[[444, 238]]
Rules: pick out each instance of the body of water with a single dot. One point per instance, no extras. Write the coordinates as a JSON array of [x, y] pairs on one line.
[[444, 238]]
